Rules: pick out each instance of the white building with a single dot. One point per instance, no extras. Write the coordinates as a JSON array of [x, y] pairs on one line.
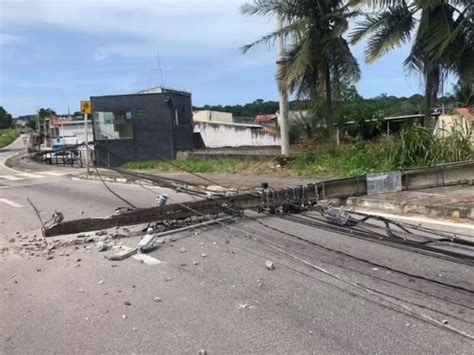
[[68, 131], [212, 116], [219, 135]]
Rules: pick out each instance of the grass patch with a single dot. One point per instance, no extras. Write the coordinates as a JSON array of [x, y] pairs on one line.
[[7, 136], [413, 148], [198, 165]]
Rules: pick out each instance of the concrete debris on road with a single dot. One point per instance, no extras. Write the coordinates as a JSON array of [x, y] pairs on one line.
[[157, 299], [245, 306], [127, 303], [101, 282], [203, 255], [101, 246], [182, 250], [202, 352], [124, 316], [167, 278], [269, 265], [124, 254]]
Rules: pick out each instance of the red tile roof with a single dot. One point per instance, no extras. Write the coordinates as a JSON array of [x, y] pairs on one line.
[[265, 118], [465, 112], [54, 120]]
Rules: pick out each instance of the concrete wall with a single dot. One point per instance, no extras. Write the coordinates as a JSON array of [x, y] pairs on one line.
[[212, 116], [216, 135], [447, 124], [161, 125]]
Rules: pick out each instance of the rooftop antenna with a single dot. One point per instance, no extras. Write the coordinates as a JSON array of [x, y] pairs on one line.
[[159, 66]]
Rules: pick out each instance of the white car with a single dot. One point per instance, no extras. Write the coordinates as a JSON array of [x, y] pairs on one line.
[[60, 157]]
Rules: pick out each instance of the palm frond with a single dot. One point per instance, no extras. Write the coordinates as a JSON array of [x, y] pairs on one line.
[[270, 38], [388, 30]]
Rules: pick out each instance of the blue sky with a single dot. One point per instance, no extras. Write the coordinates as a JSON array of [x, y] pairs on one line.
[[53, 53]]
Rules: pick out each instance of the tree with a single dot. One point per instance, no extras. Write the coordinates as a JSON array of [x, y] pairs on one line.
[[464, 93], [6, 120], [43, 114], [440, 33], [318, 56]]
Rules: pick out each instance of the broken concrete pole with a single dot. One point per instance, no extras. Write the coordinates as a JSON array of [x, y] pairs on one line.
[[124, 254]]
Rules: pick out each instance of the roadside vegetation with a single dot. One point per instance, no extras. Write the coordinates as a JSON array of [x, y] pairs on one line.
[[414, 147], [7, 136]]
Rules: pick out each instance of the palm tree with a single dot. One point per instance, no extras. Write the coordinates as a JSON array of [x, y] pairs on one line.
[[440, 33], [318, 56]]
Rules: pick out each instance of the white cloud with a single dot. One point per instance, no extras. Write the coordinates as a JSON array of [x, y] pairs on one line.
[[182, 22]]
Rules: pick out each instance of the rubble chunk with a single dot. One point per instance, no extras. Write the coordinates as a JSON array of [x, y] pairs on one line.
[[157, 299], [269, 264], [101, 246]]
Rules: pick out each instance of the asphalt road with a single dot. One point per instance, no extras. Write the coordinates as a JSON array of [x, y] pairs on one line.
[[344, 296]]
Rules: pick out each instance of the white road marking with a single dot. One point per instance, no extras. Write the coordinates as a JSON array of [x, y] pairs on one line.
[[147, 259], [11, 203], [53, 173], [10, 177], [31, 175]]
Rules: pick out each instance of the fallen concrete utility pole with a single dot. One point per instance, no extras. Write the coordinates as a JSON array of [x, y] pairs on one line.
[[264, 199]]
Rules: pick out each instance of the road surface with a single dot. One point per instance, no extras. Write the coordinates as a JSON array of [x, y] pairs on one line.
[[211, 289]]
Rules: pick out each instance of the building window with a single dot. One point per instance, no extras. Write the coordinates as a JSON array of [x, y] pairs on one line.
[[113, 125]]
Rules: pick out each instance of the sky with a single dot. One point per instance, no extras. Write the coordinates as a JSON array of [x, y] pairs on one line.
[[54, 53]]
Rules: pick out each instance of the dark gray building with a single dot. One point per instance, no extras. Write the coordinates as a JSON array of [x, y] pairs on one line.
[[152, 124]]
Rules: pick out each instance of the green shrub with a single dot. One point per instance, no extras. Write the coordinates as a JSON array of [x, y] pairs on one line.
[[7, 136]]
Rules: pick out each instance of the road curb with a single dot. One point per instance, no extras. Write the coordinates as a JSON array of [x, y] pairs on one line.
[[454, 213], [115, 179]]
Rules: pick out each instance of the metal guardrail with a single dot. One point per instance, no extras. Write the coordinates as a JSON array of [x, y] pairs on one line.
[[72, 156]]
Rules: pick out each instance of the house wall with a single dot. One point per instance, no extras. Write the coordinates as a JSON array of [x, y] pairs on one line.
[[446, 124], [161, 126], [216, 135], [68, 130], [212, 116]]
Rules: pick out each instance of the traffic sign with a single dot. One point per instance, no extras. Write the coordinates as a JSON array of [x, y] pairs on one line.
[[86, 107]]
